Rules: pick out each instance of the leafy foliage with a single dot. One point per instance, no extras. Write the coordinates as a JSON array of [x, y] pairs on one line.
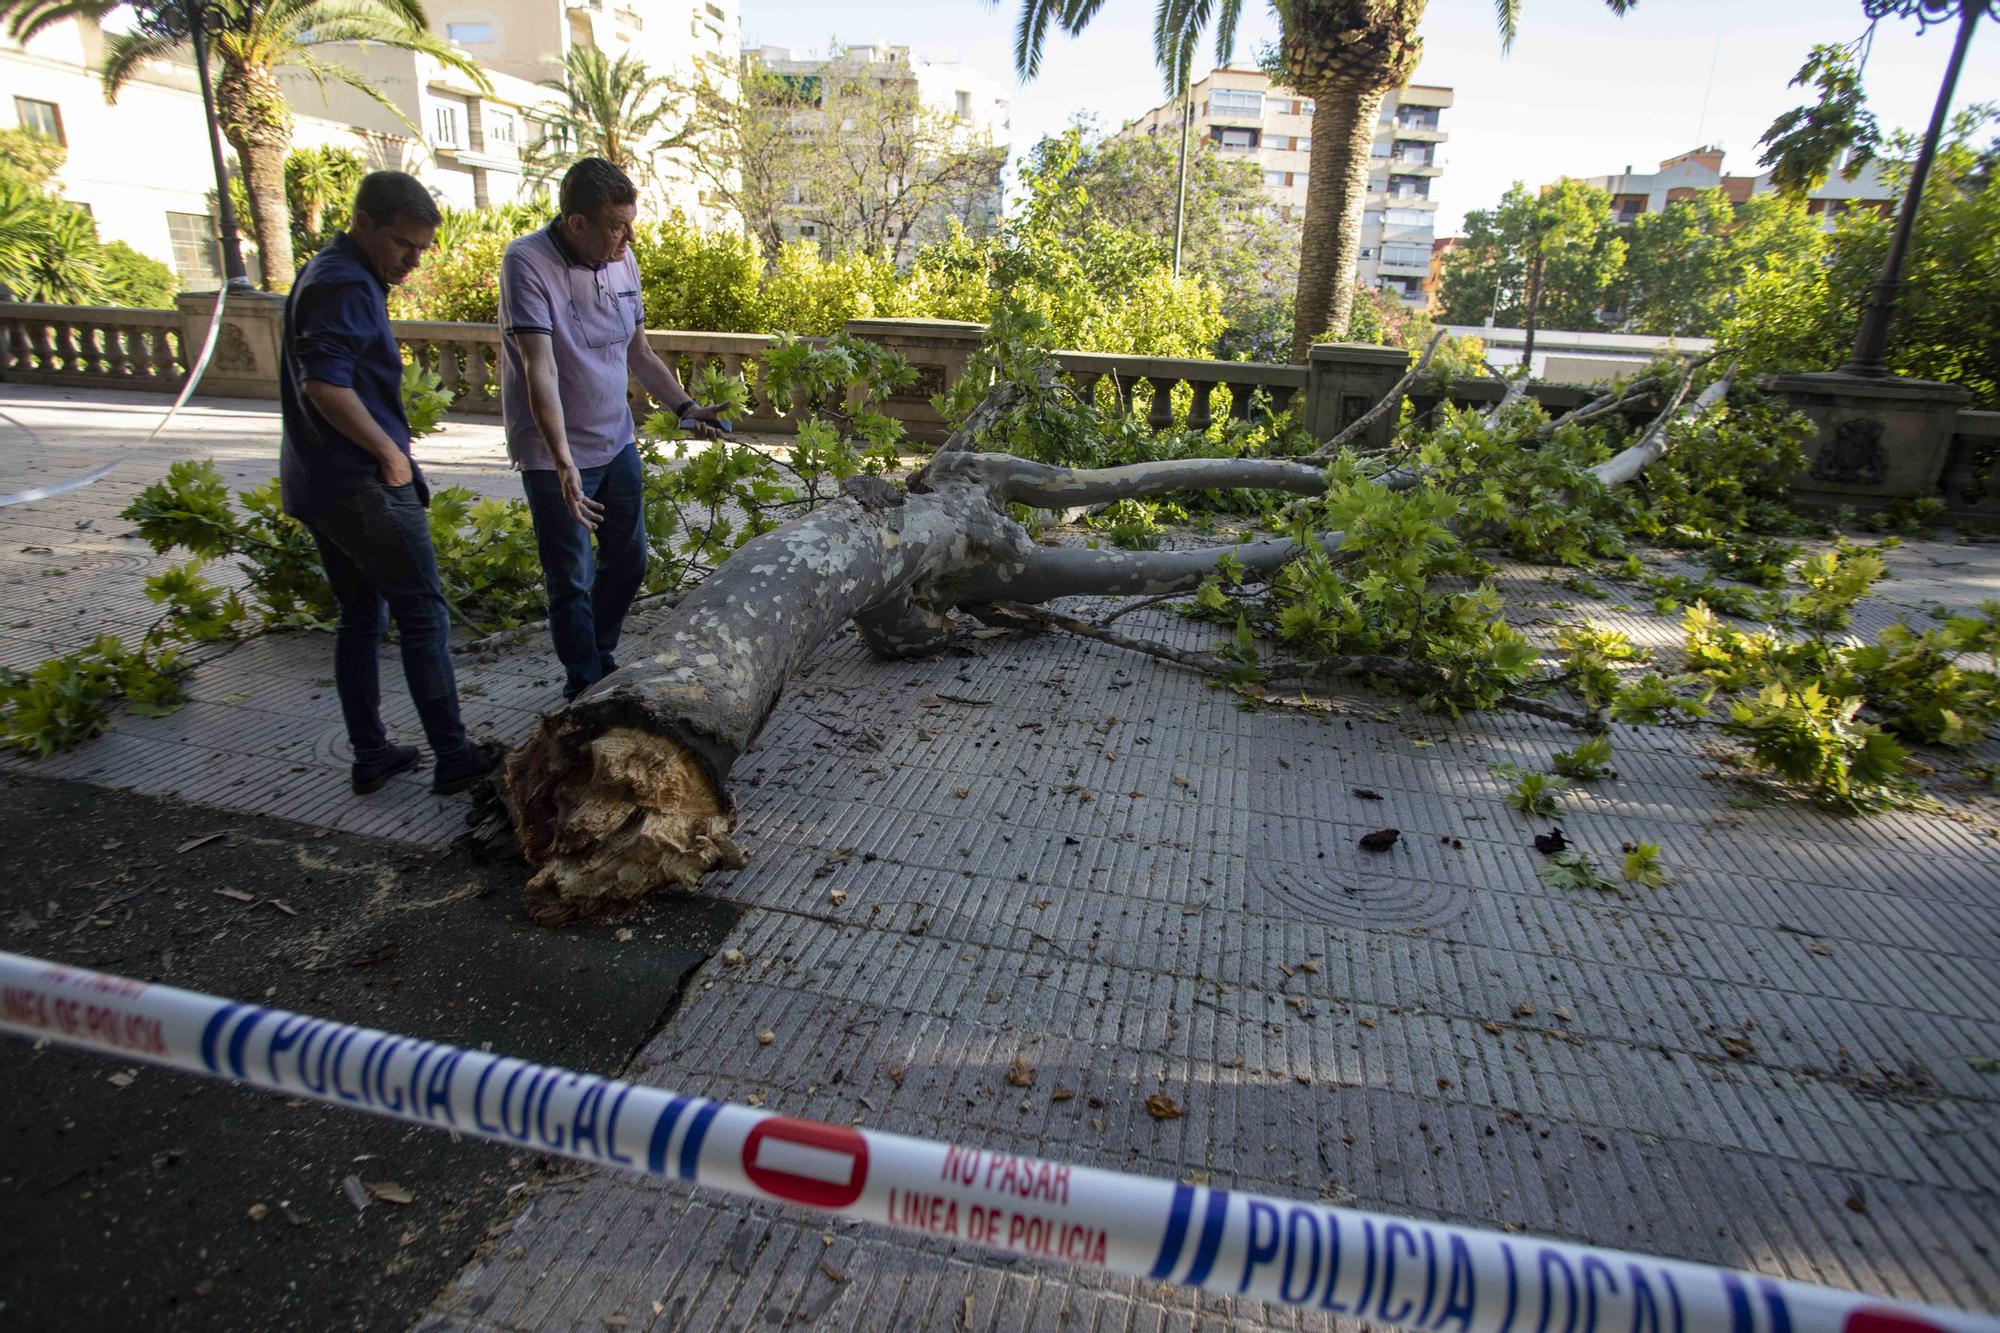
[[1642, 865], [1803, 314]]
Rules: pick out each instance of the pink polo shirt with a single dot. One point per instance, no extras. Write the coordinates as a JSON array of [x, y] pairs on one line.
[[589, 312]]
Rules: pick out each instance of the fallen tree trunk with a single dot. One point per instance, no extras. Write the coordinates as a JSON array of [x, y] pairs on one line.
[[626, 788]]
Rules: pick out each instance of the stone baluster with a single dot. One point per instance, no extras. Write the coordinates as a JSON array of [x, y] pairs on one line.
[[1200, 415], [42, 347], [1161, 415], [65, 346]]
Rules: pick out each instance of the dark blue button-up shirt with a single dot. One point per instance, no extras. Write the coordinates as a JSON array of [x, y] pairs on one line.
[[336, 330]]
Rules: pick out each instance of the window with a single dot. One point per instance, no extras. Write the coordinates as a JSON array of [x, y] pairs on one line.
[[1233, 103], [41, 119], [445, 126], [1366, 252], [964, 105], [1371, 217], [1305, 106], [1277, 179], [1378, 150], [1237, 141], [500, 127], [469, 34], [1406, 255], [1408, 217], [195, 250], [1304, 143]]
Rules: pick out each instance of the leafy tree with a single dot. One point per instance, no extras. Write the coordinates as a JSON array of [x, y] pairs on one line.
[[1802, 314], [1686, 265], [30, 158], [1092, 283], [1804, 144], [616, 109], [137, 280], [1232, 236], [49, 249], [852, 150], [1344, 54], [1547, 259], [256, 40], [318, 182]]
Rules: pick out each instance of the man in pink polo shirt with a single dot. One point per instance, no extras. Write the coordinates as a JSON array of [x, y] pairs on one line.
[[575, 338]]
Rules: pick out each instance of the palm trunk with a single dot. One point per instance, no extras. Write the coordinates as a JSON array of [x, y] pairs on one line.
[[1336, 189], [251, 106]]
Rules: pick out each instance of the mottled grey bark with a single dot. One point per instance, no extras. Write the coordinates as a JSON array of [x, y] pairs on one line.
[[626, 788]]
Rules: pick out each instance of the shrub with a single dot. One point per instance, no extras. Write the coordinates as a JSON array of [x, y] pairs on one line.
[[814, 297], [141, 281], [697, 280], [458, 283]]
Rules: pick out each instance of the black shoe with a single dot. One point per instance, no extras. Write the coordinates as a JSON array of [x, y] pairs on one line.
[[370, 773], [473, 765]]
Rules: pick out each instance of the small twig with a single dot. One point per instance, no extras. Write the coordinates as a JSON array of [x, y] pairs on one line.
[[1139, 605]]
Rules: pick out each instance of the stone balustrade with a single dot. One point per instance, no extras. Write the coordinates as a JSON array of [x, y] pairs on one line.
[[98, 347], [1877, 439]]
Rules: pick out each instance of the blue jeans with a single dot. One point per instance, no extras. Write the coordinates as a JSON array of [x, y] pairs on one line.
[[376, 545], [590, 594]]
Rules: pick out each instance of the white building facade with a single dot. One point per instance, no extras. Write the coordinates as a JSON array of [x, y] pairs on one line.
[[142, 168], [1240, 112]]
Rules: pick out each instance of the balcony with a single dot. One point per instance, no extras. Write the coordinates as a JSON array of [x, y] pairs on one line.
[[1403, 167], [1417, 133], [1404, 268]]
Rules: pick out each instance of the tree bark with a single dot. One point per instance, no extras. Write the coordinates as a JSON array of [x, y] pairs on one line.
[[1344, 118], [255, 118]]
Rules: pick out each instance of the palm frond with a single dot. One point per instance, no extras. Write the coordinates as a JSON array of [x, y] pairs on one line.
[[325, 71], [1077, 14], [123, 54], [26, 19], [1507, 17], [1178, 26], [1029, 35], [1226, 20]]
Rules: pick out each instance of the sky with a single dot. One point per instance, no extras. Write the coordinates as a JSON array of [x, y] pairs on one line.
[[1582, 93]]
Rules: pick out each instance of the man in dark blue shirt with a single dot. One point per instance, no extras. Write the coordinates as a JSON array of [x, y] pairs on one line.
[[345, 471]]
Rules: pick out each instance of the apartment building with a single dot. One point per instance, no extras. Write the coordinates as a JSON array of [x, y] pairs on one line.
[[141, 166], [685, 41], [1687, 174], [1240, 112], [979, 105]]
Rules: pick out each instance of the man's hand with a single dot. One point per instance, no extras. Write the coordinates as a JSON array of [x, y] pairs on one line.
[[395, 469], [699, 422], [581, 507]]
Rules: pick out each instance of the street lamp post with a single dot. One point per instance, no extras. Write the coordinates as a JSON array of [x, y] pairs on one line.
[[1872, 341], [194, 20]]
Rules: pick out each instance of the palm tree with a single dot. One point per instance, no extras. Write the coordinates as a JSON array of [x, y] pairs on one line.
[[254, 39], [317, 180], [614, 109], [1346, 55]]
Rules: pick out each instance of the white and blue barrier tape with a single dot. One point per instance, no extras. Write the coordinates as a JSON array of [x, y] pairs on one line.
[[1371, 1266], [103, 470]]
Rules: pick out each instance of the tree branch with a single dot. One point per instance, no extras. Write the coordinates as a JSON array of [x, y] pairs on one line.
[[1416, 675]]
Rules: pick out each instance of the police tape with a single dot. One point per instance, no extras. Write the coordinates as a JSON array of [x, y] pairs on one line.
[[1370, 1266], [103, 470]]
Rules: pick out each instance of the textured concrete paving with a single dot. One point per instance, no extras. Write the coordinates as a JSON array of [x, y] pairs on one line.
[[1051, 850]]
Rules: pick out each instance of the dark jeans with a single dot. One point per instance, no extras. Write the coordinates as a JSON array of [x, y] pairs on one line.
[[589, 595], [376, 545]]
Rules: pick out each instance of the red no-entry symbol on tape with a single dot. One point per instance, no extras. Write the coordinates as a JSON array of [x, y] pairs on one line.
[[1868, 1320], [823, 1166]]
